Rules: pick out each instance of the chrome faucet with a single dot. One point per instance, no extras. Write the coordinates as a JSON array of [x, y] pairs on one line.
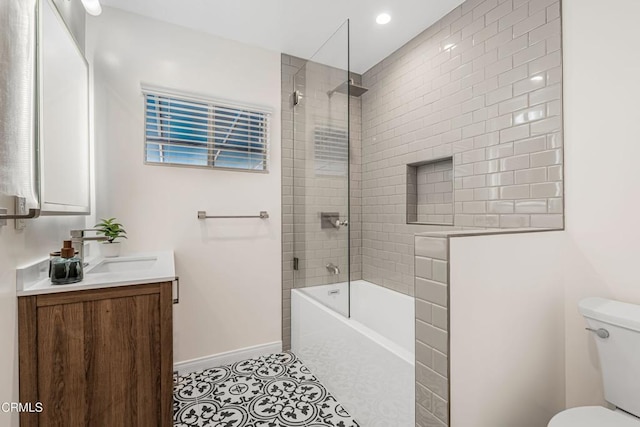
[[77, 236], [333, 269]]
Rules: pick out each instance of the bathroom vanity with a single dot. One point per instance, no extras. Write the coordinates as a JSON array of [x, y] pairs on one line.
[[99, 353]]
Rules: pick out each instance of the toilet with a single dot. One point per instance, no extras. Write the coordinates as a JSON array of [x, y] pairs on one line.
[[616, 329]]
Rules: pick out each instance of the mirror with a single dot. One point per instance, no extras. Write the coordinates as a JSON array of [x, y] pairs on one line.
[[63, 127]]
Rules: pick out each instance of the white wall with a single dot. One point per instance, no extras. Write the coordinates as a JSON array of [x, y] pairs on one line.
[[230, 270], [602, 124], [507, 339]]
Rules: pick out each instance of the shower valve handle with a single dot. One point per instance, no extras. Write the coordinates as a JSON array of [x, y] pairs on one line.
[[339, 223]]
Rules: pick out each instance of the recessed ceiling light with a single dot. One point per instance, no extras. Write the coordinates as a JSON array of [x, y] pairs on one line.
[[92, 7], [537, 78], [383, 18]]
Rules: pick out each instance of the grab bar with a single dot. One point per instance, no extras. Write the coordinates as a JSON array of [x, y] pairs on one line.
[[203, 215]]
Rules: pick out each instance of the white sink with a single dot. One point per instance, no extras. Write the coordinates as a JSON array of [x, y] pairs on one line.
[[123, 264]]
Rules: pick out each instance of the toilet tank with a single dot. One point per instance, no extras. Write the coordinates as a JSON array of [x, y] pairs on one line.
[[619, 352]]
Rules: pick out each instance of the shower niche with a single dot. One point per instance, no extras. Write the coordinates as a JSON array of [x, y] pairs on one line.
[[430, 192]]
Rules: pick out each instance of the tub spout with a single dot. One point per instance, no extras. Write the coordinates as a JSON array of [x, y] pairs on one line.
[[333, 269]]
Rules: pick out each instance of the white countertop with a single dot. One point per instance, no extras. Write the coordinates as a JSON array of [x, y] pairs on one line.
[[33, 279]]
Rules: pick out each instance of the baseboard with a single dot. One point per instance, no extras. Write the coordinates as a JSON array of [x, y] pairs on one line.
[[226, 358]]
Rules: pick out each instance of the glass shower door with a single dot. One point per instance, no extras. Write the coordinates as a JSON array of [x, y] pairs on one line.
[[321, 174]]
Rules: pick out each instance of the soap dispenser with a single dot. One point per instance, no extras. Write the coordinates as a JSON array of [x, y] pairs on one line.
[[68, 268]]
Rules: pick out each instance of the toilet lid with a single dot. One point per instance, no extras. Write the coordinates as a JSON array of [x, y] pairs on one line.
[[593, 416]]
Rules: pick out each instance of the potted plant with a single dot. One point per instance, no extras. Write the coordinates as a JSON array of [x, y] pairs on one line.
[[112, 230]]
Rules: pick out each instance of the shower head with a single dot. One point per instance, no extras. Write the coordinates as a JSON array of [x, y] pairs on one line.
[[349, 87], [357, 90]]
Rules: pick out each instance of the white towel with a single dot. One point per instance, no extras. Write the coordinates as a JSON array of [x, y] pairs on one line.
[[17, 100]]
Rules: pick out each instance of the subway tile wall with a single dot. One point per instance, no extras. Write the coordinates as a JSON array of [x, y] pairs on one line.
[[484, 86], [289, 67], [306, 191], [432, 341]]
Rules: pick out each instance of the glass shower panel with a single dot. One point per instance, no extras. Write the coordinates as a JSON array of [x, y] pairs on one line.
[[321, 174]]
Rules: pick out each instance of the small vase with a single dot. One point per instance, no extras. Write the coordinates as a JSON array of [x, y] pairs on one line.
[[110, 250]]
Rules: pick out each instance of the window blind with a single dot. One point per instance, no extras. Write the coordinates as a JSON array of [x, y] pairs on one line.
[[181, 130]]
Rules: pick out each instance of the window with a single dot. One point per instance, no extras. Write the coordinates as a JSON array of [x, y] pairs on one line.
[[186, 131], [331, 148]]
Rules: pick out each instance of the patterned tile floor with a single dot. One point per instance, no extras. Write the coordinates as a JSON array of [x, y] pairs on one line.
[[271, 391]]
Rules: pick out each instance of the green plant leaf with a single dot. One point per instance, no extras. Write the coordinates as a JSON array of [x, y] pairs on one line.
[[110, 229]]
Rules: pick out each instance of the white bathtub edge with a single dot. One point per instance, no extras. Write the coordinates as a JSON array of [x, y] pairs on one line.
[[364, 370], [387, 344]]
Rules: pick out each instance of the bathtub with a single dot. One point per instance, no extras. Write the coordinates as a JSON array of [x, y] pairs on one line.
[[367, 360]]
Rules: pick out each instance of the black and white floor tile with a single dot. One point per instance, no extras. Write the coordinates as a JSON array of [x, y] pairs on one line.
[[270, 391]]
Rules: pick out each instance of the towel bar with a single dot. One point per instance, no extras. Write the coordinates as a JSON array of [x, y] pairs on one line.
[[203, 215]]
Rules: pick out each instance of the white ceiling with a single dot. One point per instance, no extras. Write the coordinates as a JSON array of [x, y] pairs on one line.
[[300, 27]]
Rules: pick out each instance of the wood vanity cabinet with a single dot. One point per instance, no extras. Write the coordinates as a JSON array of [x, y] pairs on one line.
[[99, 357]]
